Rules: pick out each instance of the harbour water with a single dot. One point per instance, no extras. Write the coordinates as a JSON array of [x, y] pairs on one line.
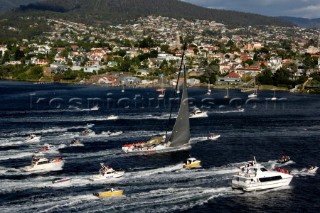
[[155, 182]]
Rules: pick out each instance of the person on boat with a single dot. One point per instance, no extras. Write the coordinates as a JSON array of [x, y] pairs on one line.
[[35, 160]]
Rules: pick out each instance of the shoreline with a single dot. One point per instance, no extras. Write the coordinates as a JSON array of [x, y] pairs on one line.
[[215, 86]]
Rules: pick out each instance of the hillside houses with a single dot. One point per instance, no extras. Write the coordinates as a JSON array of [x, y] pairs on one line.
[[151, 45]]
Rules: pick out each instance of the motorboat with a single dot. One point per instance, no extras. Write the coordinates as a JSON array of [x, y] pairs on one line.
[[89, 125], [197, 113], [87, 132], [113, 133], [110, 193], [312, 169], [48, 148], [253, 95], [76, 142], [112, 117], [61, 180], [192, 163], [253, 177], [32, 138], [94, 108], [107, 173], [283, 159], [213, 136], [43, 164]]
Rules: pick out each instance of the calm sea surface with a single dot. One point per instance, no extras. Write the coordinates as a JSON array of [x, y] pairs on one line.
[[154, 182]]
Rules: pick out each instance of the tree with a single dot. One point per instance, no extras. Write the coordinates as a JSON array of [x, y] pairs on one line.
[[265, 77], [18, 54], [281, 77]]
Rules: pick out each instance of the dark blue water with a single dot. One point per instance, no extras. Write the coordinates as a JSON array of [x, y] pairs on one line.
[[153, 182]]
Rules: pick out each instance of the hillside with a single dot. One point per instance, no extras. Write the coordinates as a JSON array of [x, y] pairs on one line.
[[106, 12], [113, 11], [6, 5], [302, 22]]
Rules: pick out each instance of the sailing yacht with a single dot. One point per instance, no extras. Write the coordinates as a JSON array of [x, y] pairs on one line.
[[274, 98], [209, 90], [180, 137], [122, 87], [227, 95], [162, 90], [255, 93]]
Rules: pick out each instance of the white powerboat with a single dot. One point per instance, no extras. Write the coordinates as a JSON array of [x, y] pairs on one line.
[[61, 180], [87, 132], [44, 164], [76, 142], [48, 148], [33, 138], [112, 117], [312, 169], [107, 173], [213, 136], [253, 95], [95, 108], [197, 113], [254, 176], [283, 159], [113, 133]]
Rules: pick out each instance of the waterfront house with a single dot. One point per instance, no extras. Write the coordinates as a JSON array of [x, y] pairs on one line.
[[231, 78]]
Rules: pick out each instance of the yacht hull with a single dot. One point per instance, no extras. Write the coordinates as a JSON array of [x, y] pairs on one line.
[[157, 149]]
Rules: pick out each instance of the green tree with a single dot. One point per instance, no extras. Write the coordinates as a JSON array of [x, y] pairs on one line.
[[265, 77]]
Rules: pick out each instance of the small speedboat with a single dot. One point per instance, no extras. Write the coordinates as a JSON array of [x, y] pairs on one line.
[[95, 108], [107, 173], [197, 113], [312, 169], [43, 164], [112, 133], [48, 148], [110, 193], [87, 132], [61, 180], [283, 159], [213, 136], [32, 138], [76, 142], [192, 163], [253, 177], [252, 95], [112, 117]]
